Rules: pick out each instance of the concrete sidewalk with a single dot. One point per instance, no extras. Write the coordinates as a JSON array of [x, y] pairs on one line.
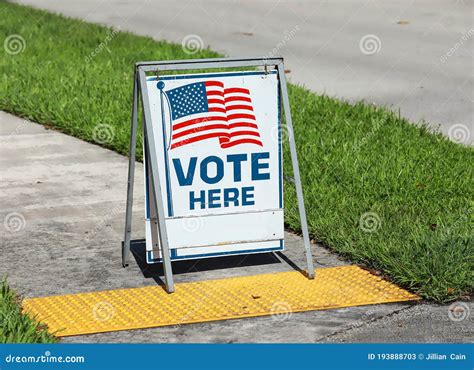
[[62, 204], [412, 56]]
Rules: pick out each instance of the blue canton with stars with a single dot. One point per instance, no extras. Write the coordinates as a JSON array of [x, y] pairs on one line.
[[188, 99]]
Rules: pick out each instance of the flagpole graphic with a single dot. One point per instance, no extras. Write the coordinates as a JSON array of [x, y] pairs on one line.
[[161, 85]]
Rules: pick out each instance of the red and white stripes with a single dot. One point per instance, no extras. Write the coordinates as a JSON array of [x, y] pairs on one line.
[[230, 118]]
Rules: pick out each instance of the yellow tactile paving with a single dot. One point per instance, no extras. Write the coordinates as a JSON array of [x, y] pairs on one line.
[[249, 296]]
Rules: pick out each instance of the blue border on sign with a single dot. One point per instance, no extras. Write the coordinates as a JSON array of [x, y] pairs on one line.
[[167, 170], [174, 255]]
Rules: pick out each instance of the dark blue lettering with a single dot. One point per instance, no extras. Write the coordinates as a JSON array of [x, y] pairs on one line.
[[231, 195], [236, 160], [205, 169], [201, 199], [214, 196], [182, 179], [257, 166], [247, 196]]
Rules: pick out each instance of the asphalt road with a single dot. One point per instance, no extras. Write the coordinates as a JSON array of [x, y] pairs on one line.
[[413, 56]]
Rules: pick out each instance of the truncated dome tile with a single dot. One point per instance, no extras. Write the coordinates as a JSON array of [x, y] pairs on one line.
[[202, 301]]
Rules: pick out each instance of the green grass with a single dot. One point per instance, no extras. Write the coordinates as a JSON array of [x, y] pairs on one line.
[[16, 327], [354, 159]]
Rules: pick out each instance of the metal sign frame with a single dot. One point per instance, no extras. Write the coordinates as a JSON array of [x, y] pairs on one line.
[[157, 206]]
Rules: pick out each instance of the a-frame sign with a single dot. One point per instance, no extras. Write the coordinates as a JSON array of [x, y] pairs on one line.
[[213, 160]]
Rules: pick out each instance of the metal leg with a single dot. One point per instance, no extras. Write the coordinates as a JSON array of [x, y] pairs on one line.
[[155, 238], [131, 174], [165, 253], [296, 170]]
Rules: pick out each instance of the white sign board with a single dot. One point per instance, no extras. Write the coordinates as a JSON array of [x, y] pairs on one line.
[[218, 148]]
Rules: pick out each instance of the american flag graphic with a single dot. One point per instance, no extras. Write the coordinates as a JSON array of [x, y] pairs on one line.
[[208, 110]]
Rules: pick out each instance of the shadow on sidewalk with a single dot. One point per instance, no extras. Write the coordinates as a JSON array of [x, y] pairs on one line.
[[155, 271]]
